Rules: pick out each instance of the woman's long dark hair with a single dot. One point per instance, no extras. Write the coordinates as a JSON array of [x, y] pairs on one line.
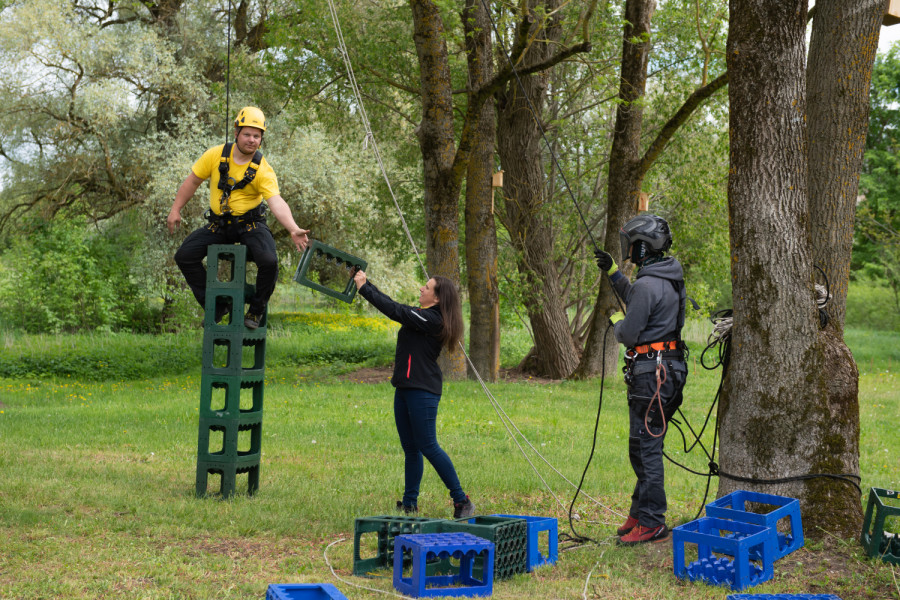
[[451, 311]]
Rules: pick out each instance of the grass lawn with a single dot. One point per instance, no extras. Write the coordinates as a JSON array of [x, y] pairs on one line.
[[97, 479]]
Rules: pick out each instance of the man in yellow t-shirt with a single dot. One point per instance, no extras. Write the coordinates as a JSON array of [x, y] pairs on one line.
[[236, 213]]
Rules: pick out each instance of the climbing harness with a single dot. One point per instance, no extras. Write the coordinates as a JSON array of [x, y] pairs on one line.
[[248, 221], [657, 347], [228, 184]]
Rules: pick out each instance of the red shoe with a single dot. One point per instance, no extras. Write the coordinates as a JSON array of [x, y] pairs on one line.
[[643, 535], [630, 523]]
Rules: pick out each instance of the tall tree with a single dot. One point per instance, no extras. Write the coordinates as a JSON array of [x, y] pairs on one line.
[[625, 176], [445, 162], [778, 422], [842, 52], [841, 57], [520, 146], [481, 234]]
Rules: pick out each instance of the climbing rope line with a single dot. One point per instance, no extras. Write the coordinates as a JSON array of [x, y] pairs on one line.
[[508, 423], [228, 78], [370, 136]]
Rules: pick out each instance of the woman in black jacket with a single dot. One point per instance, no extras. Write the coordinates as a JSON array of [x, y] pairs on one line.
[[419, 382]]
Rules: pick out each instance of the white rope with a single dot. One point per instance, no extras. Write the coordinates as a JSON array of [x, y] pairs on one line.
[[370, 136], [351, 77], [505, 418], [822, 296], [356, 585], [588, 579]]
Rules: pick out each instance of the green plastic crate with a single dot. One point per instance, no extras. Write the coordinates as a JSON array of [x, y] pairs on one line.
[[876, 541], [510, 537], [333, 264], [386, 527]]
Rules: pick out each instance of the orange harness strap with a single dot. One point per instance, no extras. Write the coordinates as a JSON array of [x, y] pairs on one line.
[[657, 346]]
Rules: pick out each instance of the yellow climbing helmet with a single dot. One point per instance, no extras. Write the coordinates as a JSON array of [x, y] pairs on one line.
[[250, 116]]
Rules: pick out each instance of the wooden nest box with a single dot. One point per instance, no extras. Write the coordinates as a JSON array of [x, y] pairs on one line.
[[891, 12]]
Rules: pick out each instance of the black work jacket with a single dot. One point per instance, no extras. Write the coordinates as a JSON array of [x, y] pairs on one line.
[[418, 341]]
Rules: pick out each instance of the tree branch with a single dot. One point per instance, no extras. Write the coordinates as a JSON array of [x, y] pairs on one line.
[[503, 76], [678, 119], [392, 83]]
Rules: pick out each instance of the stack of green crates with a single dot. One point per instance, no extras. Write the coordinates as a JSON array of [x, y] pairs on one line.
[[232, 379]]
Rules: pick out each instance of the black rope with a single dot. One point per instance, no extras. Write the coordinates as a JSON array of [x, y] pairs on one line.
[[576, 537], [847, 477]]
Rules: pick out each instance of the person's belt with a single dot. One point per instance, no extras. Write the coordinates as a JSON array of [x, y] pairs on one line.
[[657, 347]]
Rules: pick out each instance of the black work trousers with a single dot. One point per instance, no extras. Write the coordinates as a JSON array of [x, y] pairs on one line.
[[645, 448], [260, 249]]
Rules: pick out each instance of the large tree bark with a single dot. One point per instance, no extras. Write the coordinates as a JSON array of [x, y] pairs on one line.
[[437, 143], [625, 176], [775, 412], [481, 235], [841, 54], [531, 231]]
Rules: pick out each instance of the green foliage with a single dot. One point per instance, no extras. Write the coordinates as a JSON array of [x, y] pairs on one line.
[[876, 245], [78, 97], [68, 277], [98, 357], [873, 305]]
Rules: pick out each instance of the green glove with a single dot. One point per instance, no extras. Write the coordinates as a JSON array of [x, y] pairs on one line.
[[616, 317]]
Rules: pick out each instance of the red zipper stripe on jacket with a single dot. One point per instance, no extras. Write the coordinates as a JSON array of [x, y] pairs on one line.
[[408, 366]]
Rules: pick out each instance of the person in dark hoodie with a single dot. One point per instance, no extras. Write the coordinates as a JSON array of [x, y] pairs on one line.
[[656, 370], [418, 381]]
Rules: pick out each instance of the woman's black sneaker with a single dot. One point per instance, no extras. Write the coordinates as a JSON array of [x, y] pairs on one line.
[[463, 510], [408, 509]]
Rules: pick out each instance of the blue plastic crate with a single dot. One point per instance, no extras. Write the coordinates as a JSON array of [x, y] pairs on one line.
[[734, 538], [535, 526], [734, 506], [303, 591], [782, 597], [423, 547]]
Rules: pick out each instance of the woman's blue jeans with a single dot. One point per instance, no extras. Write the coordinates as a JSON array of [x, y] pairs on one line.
[[415, 412]]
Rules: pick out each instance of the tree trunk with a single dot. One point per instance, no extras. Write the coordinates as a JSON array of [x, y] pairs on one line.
[[774, 414], [530, 228], [481, 235], [438, 145], [625, 178], [841, 54]]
